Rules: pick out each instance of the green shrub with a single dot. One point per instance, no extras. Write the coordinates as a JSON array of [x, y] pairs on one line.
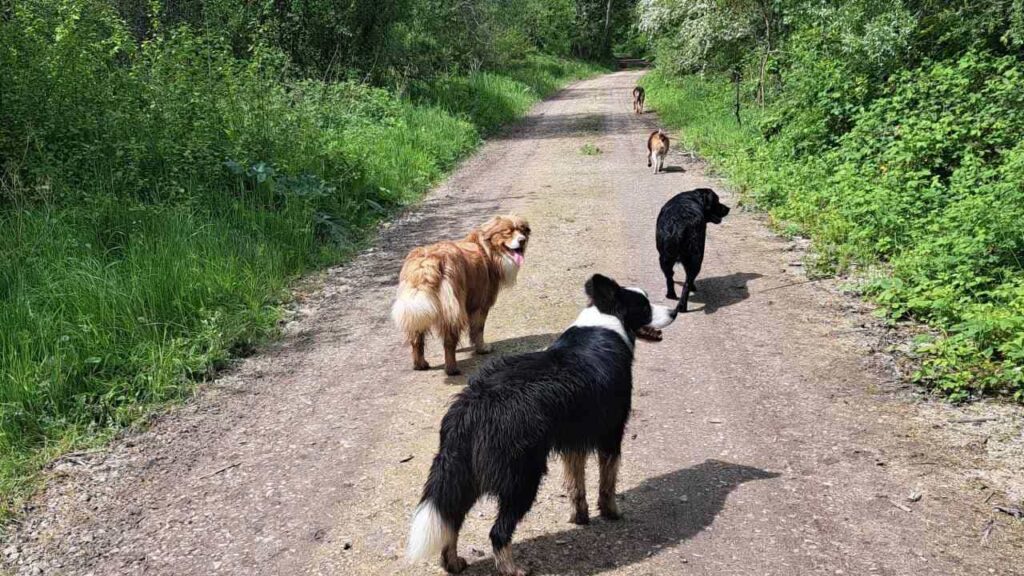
[[158, 197], [923, 175]]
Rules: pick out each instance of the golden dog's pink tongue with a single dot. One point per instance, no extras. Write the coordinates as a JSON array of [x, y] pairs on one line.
[[518, 258]]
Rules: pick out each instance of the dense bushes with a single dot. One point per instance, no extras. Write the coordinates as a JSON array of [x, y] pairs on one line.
[[891, 133], [160, 186]]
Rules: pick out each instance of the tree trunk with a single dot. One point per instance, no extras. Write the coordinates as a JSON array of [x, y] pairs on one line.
[[736, 77], [762, 71], [607, 28], [760, 79]]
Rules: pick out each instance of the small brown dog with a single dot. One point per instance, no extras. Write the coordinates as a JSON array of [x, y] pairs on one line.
[[657, 149], [638, 100], [451, 286]]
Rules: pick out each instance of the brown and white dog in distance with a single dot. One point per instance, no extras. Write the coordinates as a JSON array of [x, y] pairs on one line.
[[449, 287], [638, 100], [657, 149]]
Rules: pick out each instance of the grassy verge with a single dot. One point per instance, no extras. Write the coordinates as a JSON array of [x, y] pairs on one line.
[[923, 194], [489, 100], [702, 113], [158, 201]]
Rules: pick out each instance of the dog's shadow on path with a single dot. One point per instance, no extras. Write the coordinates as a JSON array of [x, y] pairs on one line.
[[517, 345], [659, 513], [721, 291]]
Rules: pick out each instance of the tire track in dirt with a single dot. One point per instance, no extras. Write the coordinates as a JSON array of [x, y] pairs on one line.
[[766, 438]]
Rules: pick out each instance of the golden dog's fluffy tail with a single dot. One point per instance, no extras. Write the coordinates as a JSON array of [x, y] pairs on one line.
[[426, 299]]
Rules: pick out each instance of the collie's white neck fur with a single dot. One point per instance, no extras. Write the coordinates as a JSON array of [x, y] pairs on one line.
[[592, 317]]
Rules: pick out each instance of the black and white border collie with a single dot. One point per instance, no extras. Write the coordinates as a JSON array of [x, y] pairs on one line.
[[572, 398]]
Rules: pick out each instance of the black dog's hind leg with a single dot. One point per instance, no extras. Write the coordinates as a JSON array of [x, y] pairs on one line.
[[575, 465], [609, 451], [692, 264], [512, 506], [510, 512], [450, 559], [667, 266], [692, 268], [609, 463]]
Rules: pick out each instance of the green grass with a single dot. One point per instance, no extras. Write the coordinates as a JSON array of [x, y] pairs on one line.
[[589, 149], [164, 206], [491, 99], [108, 313], [921, 195], [701, 115]]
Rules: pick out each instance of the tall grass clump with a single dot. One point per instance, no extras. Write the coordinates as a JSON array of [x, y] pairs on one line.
[[490, 99], [160, 189]]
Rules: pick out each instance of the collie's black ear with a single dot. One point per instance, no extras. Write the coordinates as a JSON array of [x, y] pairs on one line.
[[601, 290]]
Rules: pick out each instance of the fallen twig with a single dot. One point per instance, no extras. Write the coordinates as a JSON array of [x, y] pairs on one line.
[[221, 469], [898, 505], [1014, 511], [792, 284], [986, 530], [76, 456], [973, 420]]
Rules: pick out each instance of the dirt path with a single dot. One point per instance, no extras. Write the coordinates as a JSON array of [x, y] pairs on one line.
[[767, 436]]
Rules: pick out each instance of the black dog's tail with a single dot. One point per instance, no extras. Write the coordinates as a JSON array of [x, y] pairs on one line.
[[450, 490]]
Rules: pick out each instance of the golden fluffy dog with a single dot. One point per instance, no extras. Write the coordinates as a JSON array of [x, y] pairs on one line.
[[450, 286]]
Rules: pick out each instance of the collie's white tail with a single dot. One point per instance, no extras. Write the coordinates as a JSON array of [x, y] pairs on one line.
[[429, 533]]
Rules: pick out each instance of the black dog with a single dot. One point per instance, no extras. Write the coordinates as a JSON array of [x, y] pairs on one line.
[[682, 230], [573, 398]]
